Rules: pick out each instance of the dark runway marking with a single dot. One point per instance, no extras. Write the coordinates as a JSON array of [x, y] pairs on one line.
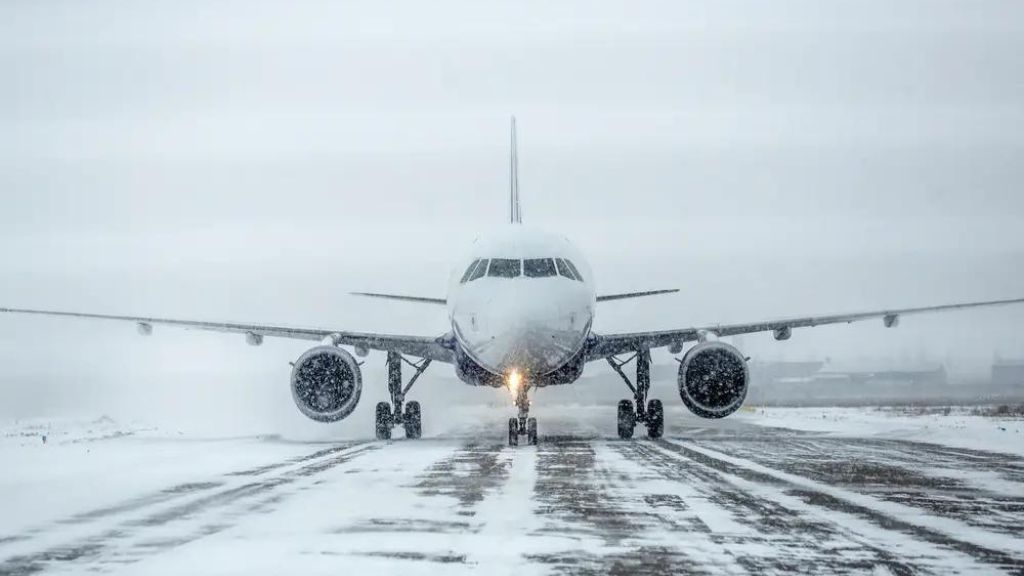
[[641, 561], [571, 490], [467, 475], [406, 525], [133, 504], [259, 470], [418, 556], [95, 547]]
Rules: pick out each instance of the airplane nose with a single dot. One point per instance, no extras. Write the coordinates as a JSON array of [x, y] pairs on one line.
[[535, 336]]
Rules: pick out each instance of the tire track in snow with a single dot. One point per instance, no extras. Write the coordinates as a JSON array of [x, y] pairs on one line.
[[106, 546], [467, 475], [990, 549], [934, 481], [450, 510], [762, 534], [162, 496], [583, 502]]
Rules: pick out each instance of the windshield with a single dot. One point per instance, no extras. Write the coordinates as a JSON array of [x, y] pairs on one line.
[[565, 268], [539, 267], [469, 271], [479, 271], [512, 268], [504, 268]]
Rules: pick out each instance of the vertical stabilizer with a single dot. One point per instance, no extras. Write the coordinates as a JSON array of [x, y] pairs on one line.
[[515, 216]]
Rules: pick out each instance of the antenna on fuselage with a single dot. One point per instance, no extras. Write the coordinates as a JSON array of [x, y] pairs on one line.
[[515, 216]]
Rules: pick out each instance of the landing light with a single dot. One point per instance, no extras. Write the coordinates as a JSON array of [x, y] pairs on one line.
[[515, 380]]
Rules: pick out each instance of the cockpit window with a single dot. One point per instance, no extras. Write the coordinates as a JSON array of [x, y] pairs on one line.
[[539, 267], [565, 268], [469, 271], [504, 268], [479, 271], [512, 268], [575, 272]]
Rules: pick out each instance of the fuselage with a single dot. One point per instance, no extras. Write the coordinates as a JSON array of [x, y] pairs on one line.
[[522, 302]]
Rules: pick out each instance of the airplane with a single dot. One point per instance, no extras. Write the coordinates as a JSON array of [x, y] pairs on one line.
[[520, 311]]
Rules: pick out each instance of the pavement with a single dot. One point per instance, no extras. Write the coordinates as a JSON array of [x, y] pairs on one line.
[[725, 497]]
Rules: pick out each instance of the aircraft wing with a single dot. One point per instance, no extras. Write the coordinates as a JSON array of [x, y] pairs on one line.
[[404, 298], [420, 346], [608, 297], [605, 345]]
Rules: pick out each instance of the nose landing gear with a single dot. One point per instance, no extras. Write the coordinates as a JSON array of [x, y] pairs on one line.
[[522, 425], [649, 412], [410, 418]]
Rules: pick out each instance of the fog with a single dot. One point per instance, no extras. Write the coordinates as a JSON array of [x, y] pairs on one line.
[[257, 161]]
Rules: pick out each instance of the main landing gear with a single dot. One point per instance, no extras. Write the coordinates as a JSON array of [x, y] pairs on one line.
[[649, 412], [410, 418], [522, 425]]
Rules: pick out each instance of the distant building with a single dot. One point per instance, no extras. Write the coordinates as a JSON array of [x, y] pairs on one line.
[[1008, 373], [811, 383], [783, 370]]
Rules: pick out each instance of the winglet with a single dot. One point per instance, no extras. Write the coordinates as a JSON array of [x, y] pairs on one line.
[[515, 216]]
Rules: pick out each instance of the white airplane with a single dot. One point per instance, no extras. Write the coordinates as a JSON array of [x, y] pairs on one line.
[[521, 308]]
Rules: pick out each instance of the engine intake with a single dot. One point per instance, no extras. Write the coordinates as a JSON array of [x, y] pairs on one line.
[[713, 379], [326, 383]]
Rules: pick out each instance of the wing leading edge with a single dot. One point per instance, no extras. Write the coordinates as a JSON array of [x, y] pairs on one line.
[[607, 297], [611, 344], [442, 301], [402, 297], [420, 346]]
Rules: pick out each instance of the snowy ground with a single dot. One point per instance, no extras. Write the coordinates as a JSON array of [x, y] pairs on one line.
[[960, 428], [807, 491]]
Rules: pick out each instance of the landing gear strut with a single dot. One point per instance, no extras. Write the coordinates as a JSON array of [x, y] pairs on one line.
[[649, 412], [410, 418], [522, 425]]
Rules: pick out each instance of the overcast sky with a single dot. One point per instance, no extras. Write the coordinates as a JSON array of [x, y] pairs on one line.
[[256, 161]]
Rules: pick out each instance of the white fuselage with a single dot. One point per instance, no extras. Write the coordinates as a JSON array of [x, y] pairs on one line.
[[530, 310]]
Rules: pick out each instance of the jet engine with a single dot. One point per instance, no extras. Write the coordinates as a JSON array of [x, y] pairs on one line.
[[326, 383], [713, 379]]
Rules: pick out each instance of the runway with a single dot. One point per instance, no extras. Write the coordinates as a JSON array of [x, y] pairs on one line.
[[726, 498]]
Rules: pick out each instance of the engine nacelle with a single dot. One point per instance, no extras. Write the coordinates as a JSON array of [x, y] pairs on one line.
[[713, 379], [326, 383]]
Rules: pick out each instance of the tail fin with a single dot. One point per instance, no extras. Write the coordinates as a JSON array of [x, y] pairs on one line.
[[515, 216]]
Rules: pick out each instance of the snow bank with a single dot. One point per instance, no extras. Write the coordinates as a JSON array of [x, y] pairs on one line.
[[959, 429]]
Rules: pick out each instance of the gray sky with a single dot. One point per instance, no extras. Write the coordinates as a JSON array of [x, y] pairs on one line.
[[255, 161]]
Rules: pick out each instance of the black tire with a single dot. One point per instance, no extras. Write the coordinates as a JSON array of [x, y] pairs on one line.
[[513, 431], [384, 421], [655, 419], [627, 419], [413, 421], [531, 431]]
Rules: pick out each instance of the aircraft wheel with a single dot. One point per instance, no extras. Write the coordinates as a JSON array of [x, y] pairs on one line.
[[655, 419], [413, 420], [384, 421], [531, 431], [627, 419], [513, 431]]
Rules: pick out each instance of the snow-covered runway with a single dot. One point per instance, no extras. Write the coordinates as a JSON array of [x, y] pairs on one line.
[[732, 498]]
